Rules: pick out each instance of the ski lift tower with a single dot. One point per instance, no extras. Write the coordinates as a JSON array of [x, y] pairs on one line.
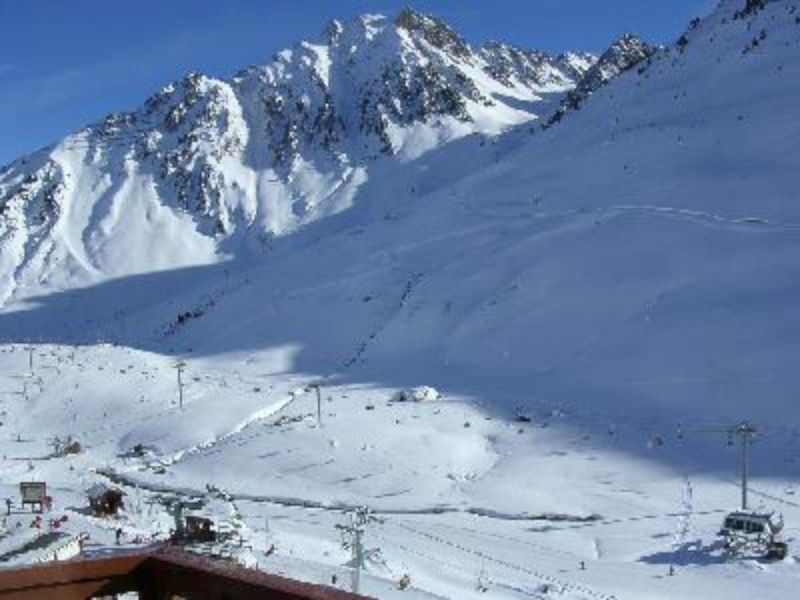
[[745, 431], [749, 529]]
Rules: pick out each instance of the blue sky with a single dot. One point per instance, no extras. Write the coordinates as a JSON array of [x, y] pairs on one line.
[[64, 63]]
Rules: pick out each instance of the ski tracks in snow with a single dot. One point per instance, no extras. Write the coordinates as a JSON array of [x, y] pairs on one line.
[[697, 216]]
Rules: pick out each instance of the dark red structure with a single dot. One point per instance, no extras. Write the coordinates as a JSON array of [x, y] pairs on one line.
[[159, 573]]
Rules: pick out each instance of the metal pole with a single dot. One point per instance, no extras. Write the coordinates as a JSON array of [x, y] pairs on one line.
[[180, 366], [316, 387], [319, 406], [744, 471], [359, 562], [353, 534], [745, 431]]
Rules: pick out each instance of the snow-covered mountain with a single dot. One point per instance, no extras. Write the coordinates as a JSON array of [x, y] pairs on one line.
[[206, 162], [624, 53], [363, 167], [596, 300]]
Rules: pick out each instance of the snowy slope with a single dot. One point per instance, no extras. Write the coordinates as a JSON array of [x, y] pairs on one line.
[[208, 168], [629, 272]]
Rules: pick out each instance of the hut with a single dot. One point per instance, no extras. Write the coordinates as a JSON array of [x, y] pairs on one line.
[[104, 501], [199, 529]]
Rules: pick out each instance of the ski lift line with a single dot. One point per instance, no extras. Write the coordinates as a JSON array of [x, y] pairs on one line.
[[761, 493], [428, 557], [498, 536], [477, 553], [277, 520], [520, 568], [764, 429], [745, 431], [752, 490]]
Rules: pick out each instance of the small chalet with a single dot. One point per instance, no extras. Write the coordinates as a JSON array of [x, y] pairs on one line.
[[105, 501], [199, 529]]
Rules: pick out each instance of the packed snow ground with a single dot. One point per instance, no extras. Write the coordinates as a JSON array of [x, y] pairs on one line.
[[563, 502], [627, 274]]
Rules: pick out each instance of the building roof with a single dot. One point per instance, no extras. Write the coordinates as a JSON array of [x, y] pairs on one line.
[[158, 571]]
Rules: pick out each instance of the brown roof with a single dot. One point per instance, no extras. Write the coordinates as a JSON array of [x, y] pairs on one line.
[[156, 572]]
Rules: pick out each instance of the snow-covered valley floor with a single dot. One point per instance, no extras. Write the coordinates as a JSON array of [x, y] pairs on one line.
[[554, 502]]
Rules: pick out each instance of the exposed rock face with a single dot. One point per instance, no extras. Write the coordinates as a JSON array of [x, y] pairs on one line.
[[534, 68], [624, 54], [434, 31]]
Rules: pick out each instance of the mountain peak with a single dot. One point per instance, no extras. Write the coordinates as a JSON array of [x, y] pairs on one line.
[[627, 44], [435, 31], [624, 52], [280, 145]]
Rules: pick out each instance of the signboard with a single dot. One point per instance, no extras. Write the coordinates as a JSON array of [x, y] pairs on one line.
[[33, 492]]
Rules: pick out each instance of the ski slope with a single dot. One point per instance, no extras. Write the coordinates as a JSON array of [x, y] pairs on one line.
[[595, 300]]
